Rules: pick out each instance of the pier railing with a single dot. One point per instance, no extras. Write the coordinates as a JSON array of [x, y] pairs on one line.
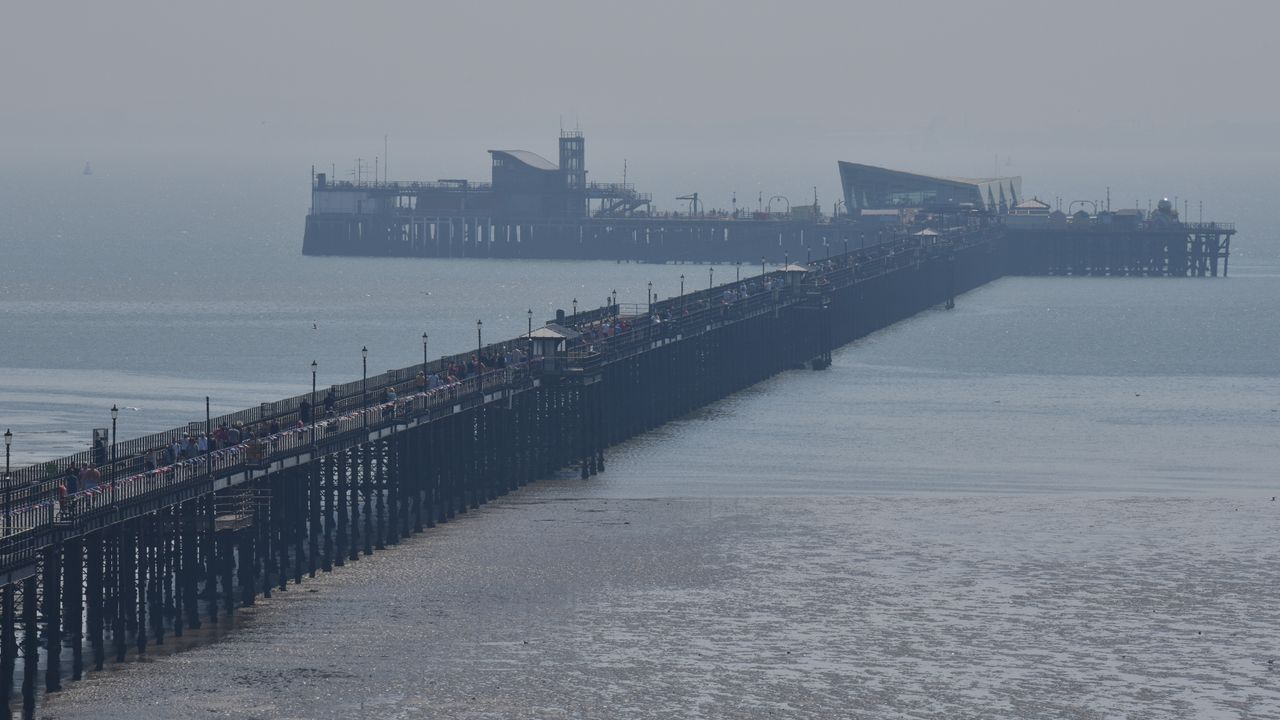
[[33, 495], [397, 186], [54, 508], [40, 482], [1210, 227]]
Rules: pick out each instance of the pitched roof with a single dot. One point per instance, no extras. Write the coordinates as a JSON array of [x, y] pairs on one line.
[[555, 332]]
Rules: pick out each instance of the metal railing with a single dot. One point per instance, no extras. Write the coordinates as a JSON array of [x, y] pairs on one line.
[[399, 186], [39, 482], [249, 454], [1211, 227]]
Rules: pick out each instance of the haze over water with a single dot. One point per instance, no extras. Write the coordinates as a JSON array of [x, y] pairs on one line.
[[1055, 501], [1030, 506]]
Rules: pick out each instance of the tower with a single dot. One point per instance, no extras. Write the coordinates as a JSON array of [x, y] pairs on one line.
[[573, 170]]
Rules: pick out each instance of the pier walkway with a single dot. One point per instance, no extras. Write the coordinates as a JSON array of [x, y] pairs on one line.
[[148, 553]]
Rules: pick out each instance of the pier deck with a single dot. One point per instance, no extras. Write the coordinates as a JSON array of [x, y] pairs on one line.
[[154, 552]]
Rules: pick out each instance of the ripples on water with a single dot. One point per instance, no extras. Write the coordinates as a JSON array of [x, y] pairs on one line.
[[1053, 501]]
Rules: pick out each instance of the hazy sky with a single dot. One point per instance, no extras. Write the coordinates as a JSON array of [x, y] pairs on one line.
[[717, 97]]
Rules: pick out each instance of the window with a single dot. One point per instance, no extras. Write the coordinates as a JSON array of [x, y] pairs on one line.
[[911, 199]]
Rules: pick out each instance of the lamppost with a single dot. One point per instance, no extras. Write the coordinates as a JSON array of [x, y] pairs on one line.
[[479, 340], [530, 333], [575, 306], [312, 414], [364, 385], [737, 272], [8, 481], [761, 266], [711, 278], [424, 353], [615, 296], [649, 297], [115, 413], [681, 285]]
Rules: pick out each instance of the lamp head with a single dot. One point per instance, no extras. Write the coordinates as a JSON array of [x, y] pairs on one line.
[[8, 438], [364, 352], [314, 366], [115, 412]]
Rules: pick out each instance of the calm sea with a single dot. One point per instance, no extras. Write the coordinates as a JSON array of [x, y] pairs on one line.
[[1042, 501]]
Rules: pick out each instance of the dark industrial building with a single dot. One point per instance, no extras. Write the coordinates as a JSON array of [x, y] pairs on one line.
[[523, 184]]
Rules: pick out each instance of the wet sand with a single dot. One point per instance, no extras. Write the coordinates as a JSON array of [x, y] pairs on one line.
[[551, 603]]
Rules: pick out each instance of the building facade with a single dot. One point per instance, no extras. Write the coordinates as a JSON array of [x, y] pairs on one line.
[[867, 187]]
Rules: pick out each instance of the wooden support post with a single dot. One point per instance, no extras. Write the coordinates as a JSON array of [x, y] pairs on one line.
[[313, 475], [227, 562], [172, 553], [30, 646], [8, 650], [140, 588], [157, 577], [95, 597], [297, 518], [212, 561], [124, 565], [603, 437], [190, 564], [343, 502], [417, 476], [366, 479], [395, 522], [280, 528], [73, 603], [247, 551], [328, 492], [266, 518], [380, 481]]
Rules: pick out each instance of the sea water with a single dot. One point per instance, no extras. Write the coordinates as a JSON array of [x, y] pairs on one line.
[[1052, 501]]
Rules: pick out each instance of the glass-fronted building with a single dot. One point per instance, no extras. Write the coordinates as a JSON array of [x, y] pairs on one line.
[[867, 187]]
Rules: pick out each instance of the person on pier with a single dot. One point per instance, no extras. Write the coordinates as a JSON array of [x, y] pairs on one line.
[[89, 477]]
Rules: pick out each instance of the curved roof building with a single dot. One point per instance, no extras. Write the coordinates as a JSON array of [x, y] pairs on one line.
[[523, 157]]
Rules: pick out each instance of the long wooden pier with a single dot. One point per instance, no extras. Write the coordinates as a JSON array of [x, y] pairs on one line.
[[151, 553]]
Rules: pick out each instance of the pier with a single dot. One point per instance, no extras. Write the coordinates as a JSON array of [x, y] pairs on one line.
[[1193, 249], [153, 553], [639, 239]]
